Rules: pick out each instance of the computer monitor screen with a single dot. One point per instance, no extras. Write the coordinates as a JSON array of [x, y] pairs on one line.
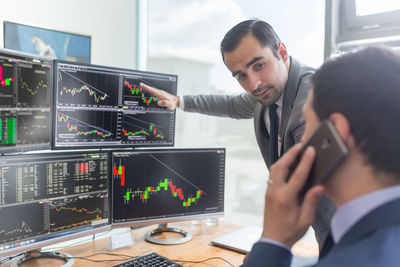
[[158, 186], [47, 198], [99, 106], [25, 92]]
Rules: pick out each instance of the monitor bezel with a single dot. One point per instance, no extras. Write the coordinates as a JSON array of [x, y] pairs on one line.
[[167, 219], [26, 148], [380, 19], [98, 145], [52, 241], [58, 237]]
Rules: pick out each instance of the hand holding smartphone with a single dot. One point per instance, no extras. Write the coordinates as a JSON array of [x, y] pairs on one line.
[[330, 152]]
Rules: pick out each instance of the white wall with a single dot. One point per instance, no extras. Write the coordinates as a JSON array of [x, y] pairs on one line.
[[111, 24]]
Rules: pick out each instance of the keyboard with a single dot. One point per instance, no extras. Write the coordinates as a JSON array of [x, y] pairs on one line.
[[150, 259]]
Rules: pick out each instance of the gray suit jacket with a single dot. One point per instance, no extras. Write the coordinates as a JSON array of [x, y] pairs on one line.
[[245, 106], [372, 241]]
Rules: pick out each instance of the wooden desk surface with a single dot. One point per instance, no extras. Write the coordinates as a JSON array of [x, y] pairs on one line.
[[197, 249]]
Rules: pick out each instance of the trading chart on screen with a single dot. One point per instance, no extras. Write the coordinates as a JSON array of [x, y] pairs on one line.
[[103, 106]]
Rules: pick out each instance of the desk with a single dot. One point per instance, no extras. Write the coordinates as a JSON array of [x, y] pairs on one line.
[[197, 249]]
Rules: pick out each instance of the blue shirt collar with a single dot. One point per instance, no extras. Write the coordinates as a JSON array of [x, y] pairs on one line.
[[350, 213]]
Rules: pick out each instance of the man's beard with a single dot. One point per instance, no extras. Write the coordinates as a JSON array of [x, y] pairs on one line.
[[271, 97]]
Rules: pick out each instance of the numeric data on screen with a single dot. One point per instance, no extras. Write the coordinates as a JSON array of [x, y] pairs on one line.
[[42, 194]]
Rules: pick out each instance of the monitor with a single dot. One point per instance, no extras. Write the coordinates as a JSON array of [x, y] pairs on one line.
[[361, 23], [25, 92], [161, 186], [98, 106], [46, 198]]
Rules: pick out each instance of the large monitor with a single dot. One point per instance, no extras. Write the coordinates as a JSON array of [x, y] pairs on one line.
[[160, 186], [25, 91], [97, 106], [48, 198]]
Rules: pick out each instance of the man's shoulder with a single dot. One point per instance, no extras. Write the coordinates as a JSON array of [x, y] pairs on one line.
[[383, 242], [304, 67]]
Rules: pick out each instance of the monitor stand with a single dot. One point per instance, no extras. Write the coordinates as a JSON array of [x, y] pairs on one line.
[[32, 255], [163, 228]]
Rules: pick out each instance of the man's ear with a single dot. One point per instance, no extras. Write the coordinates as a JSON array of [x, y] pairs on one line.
[[341, 124], [282, 51]]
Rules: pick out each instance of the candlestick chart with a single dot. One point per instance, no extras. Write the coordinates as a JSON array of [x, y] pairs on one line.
[[7, 81], [86, 125], [149, 127], [134, 95], [150, 185]]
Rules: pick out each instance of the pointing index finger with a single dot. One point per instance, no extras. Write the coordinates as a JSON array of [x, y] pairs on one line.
[[151, 90]]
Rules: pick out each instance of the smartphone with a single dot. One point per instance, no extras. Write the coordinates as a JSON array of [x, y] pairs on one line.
[[330, 152]]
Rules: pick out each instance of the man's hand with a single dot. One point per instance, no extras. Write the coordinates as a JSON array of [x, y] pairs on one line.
[[285, 220], [165, 99]]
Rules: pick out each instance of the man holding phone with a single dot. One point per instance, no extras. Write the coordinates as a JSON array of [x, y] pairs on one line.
[[358, 93]]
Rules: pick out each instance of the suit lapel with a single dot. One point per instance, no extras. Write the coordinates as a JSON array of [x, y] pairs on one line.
[[261, 132], [385, 215], [289, 95]]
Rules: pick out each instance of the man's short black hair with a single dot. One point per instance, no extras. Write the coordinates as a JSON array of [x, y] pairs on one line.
[[261, 30], [365, 87]]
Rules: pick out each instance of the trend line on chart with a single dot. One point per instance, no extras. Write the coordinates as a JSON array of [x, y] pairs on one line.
[[6, 81], [24, 85], [135, 90], [24, 228], [85, 87], [75, 209], [176, 173], [74, 128], [152, 129], [163, 185]]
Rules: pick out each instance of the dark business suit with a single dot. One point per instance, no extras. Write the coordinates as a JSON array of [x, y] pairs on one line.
[[372, 241], [245, 106]]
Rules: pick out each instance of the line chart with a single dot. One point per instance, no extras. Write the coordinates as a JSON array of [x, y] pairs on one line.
[[33, 88], [77, 211], [24, 228], [21, 221], [87, 88]]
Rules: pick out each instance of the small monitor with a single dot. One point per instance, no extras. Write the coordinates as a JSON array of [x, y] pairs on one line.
[[98, 106], [161, 186], [25, 92], [48, 198]]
